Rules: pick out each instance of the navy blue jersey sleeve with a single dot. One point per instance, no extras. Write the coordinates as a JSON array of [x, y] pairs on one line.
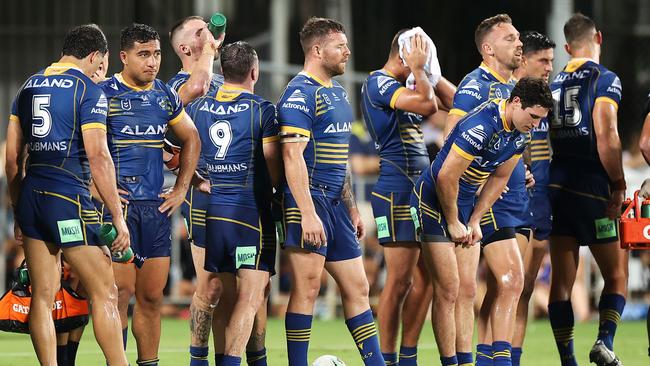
[[296, 110], [93, 108], [522, 142], [384, 90], [467, 97], [13, 117], [472, 137], [177, 110], [270, 126], [609, 89]]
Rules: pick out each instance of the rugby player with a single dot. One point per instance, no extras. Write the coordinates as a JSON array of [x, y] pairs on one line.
[[141, 108], [393, 115], [52, 204], [240, 145], [321, 221], [482, 150], [498, 42], [587, 188]]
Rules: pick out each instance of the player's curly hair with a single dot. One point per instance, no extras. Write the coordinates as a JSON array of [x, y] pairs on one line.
[[578, 28], [317, 28], [83, 40], [237, 60], [136, 32], [532, 91], [534, 41], [486, 26]]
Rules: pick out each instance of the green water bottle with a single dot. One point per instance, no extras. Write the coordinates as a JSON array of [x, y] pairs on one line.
[[645, 209], [23, 276], [107, 234], [217, 24]]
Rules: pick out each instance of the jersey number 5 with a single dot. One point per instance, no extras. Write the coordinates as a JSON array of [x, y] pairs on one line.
[[570, 108], [41, 116], [221, 136]]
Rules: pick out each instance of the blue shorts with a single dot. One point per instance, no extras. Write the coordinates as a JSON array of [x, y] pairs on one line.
[[393, 216], [150, 229], [239, 238], [193, 210], [511, 211], [540, 206], [427, 215], [342, 242], [63, 219]]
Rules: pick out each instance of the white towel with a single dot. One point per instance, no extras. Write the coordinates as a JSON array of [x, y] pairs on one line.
[[431, 67]]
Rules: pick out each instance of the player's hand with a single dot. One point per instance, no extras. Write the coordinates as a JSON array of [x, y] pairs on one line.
[[123, 240], [417, 58], [530, 178], [313, 232], [458, 232], [475, 233], [615, 203], [357, 223], [18, 233], [645, 189], [174, 198], [204, 186]]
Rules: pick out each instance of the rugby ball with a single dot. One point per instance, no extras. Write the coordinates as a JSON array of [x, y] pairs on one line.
[[328, 360]]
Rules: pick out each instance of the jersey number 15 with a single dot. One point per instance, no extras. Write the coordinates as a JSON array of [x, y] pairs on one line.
[[567, 112]]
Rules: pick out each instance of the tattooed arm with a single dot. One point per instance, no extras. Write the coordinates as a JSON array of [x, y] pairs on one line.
[[348, 198]]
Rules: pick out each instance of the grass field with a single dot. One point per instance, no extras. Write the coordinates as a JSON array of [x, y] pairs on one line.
[[331, 337]]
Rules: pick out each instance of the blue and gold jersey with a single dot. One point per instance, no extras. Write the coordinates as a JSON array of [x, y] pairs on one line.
[[233, 125], [54, 107], [397, 133], [308, 107], [540, 154], [482, 137], [575, 91], [177, 82], [137, 121], [477, 87]]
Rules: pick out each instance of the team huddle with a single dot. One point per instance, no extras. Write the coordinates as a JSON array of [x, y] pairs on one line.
[[85, 150]]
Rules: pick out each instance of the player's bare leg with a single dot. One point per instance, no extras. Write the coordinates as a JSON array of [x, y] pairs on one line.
[[440, 259], [94, 269], [204, 301], [250, 295], [306, 272], [150, 282], [505, 263], [467, 264], [351, 278], [533, 258], [43, 264], [222, 312], [401, 260], [125, 281], [255, 348], [414, 312]]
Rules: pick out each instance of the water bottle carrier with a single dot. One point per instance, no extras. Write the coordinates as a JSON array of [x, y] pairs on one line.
[[634, 229]]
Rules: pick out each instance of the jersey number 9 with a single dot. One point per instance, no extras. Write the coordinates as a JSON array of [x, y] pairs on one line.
[[42, 115], [221, 136]]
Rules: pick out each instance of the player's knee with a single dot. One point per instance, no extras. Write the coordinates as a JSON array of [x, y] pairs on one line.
[[529, 287], [467, 289], [511, 283], [307, 287], [150, 299], [357, 291], [211, 291], [125, 292], [447, 291]]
